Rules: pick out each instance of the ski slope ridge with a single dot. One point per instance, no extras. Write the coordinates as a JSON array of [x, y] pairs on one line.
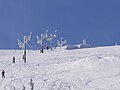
[[60, 69]]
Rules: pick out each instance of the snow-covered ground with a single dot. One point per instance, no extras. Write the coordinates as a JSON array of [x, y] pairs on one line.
[[80, 69]]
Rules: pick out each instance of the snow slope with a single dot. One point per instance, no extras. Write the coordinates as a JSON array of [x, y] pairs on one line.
[[60, 69]]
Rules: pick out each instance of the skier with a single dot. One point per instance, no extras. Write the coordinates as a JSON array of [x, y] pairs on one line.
[[3, 74], [13, 59]]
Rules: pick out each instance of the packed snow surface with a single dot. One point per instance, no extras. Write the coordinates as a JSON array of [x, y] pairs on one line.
[[60, 69]]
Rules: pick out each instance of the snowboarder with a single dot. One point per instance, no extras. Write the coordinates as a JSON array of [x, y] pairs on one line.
[[3, 74], [13, 59]]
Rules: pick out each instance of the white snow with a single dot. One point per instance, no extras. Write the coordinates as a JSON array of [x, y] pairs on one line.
[[60, 69]]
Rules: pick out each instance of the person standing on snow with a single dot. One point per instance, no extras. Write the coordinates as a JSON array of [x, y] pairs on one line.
[[13, 59], [47, 47], [23, 87], [3, 74]]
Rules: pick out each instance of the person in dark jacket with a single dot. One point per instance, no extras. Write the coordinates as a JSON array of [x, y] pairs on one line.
[[3, 74], [13, 59], [47, 47]]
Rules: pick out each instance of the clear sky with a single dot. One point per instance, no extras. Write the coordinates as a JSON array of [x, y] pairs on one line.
[[98, 21]]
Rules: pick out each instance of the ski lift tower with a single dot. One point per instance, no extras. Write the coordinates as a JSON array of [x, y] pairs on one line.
[[25, 42], [23, 45], [47, 37], [61, 42], [41, 40], [50, 38], [84, 42]]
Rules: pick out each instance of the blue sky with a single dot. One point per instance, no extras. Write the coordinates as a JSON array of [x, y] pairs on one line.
[[98, 21]]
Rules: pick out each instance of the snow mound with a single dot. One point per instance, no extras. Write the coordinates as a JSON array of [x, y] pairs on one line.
[[60, 69]]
